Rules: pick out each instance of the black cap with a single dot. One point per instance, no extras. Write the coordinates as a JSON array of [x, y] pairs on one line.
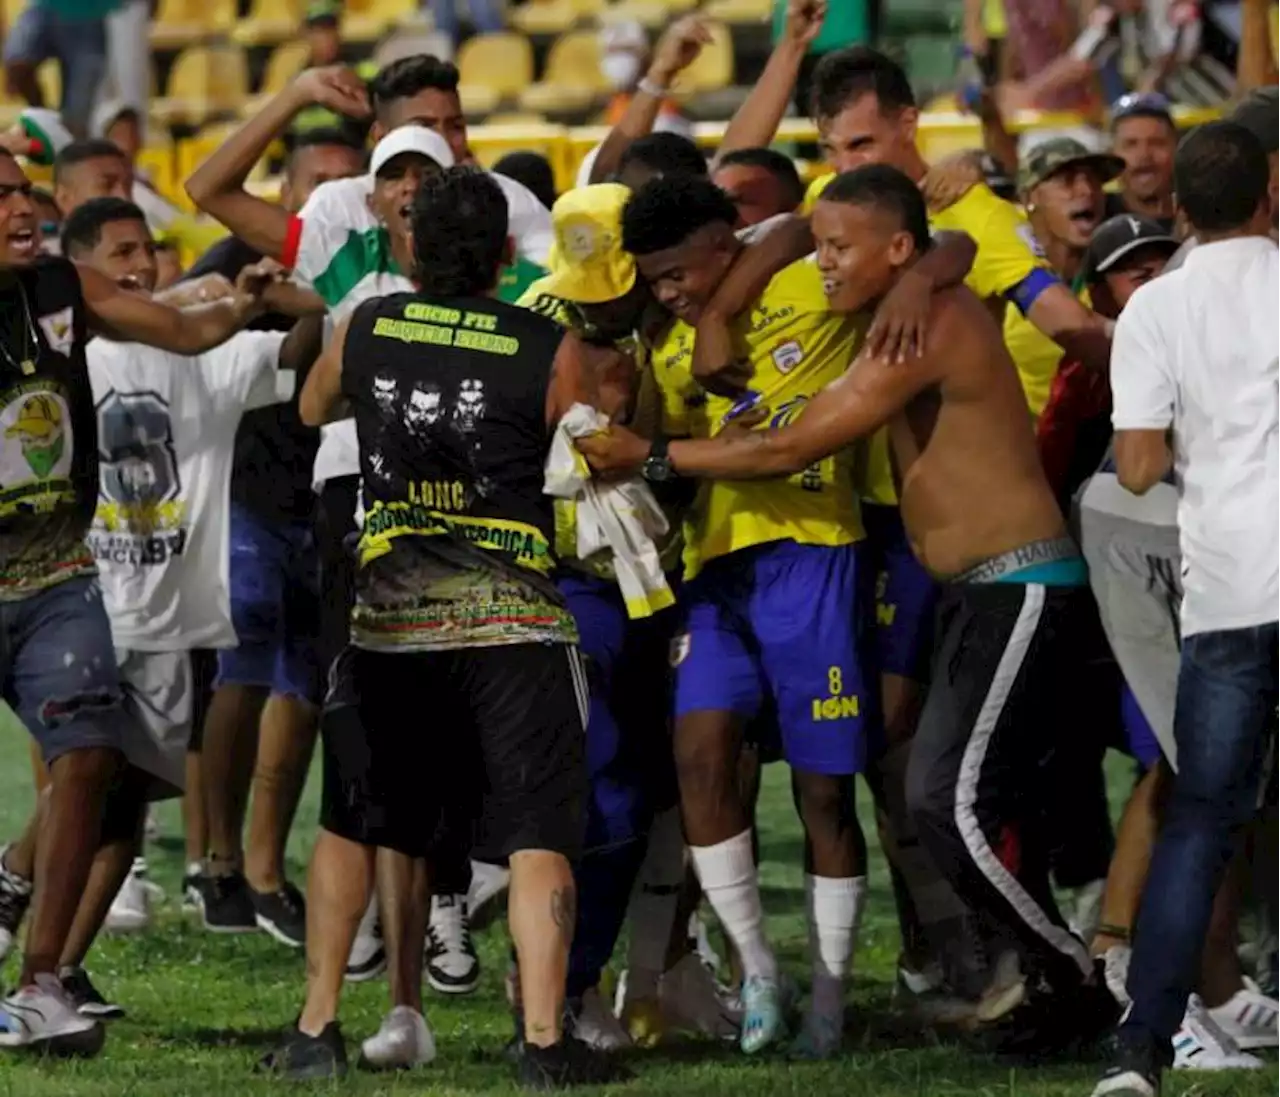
[[1120, 236], [1259, 113], [323, 13]]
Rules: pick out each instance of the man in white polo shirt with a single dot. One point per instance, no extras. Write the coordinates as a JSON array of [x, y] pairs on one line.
[[1195, 380]]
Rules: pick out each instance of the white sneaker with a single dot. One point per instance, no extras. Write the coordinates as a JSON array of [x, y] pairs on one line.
[[131, 909], [693, 1000], [1249, 1017], [596, 1026], [368, 957], [1115, 971], [452, 966], [41, 1016], [15, 897], [488, 884], [402, 1040], [1201, 1045]]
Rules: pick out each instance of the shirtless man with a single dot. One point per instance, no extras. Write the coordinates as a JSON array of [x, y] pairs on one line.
[[980, 517]]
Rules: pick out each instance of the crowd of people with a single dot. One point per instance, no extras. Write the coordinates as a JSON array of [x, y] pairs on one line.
[[555, 526]]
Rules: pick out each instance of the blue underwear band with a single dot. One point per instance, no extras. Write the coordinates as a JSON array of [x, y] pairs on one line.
[[1055, 562], [1057, 573]]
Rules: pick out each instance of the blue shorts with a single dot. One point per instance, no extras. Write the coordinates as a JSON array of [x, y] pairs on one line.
[[78, 45], [905, 596], [59, 669], [1139, 738], [629, 760], [778, 622], [275, 595]]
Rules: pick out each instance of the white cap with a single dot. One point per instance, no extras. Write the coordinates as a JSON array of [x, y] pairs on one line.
[[417, 139]]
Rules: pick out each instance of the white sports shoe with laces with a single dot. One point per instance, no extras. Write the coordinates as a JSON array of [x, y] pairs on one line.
[[1249, 1017], [1200, 1044]]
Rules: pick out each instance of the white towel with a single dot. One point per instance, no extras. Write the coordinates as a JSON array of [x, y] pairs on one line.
[[621, 516]]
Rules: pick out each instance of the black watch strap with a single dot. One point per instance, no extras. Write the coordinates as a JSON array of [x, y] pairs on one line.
[[659, 446]]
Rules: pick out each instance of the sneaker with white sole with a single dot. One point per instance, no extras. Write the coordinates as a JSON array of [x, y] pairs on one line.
[[452, 966], [368, 957], [592, 1022], [489, 884], [1249, 1017], [1200, 1044], [693, 1000], [15, 897], [86, 998], [41, 1016], [131, 908], [403, 1040], [1115, 971]]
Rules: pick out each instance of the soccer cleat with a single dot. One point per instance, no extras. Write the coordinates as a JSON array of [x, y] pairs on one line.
[[590, 1021], [131, 908], [225, 905], [84, 996], [819, 1038], [403, 1040], [484, 897], [693, 1000], [15, 897], [567, 1063], [41, 1017], [283, 914], [368, 957], [761, 1014], [303, 1058], [1249, 1017], [452, 966], [1201, 1044]]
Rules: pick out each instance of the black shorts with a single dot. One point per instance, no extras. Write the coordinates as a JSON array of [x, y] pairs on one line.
[[335, 529], [493, 736]]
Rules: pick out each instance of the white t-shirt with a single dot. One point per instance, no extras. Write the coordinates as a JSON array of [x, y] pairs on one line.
[[166, 439], [338, 248], [1198, 350]]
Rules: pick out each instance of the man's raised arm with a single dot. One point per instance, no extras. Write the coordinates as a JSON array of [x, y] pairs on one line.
[[217, 186]]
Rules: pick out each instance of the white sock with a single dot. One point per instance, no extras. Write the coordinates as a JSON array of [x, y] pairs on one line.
[[652, 912], [727, 872], [833, 908]]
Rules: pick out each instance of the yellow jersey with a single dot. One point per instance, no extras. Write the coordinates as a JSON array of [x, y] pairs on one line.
[[1008, 254], [795, 346], [814, 192], [1035, 354]]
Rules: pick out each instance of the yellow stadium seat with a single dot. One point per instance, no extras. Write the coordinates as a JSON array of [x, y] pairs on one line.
[[516, 118], [268, 22], [648, 13], [478, 99], [739, 11], [502, 61], [369, 20], [713, 67], [572, 80], [283, 65], [179, 23], [554, 16], [204, 82]]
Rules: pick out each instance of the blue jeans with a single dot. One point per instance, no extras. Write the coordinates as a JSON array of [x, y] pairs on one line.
[[1224, 727], [78, 45], [487, 15]]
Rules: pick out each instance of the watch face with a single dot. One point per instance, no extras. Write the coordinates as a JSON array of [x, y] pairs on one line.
[[657, 468]]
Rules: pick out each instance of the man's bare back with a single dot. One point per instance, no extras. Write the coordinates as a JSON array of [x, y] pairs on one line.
[[971, 484]]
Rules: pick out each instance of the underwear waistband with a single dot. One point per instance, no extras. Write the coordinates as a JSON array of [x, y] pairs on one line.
[[1054, 562]]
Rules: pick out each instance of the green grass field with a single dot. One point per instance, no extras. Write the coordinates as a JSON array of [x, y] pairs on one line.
[[202, 1009]]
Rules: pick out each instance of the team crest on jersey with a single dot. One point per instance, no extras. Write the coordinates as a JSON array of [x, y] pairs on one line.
[[679, 649], [786, 356], [59, 330], [1027, 235]]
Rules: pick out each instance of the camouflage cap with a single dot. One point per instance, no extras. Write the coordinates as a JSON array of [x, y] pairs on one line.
[[1049, 157]]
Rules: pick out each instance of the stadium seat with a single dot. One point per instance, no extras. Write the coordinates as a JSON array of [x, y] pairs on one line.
[[501, 61], [478, 100], [648, 13], [269, 22], [369, 20], [553, 16], [713, 67], [180, 23], [739, 12], [283, 65], [204, 82], [572, 80]]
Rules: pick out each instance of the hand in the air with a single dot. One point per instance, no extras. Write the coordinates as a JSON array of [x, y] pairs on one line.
[[804, 20], [678, 48], [335, 87]]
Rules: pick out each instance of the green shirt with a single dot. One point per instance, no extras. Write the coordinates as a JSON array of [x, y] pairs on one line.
[[846, 24]]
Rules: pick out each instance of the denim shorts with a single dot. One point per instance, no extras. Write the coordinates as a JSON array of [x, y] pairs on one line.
[[78, 45], [59, 669]]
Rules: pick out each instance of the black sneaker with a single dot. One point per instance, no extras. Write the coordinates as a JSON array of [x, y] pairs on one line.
[[283, 914], [84, 996], [303, 1058], [15, 897], [1135, 1069], [193, 881], [568, 1063], [226, 906], [452, 966]]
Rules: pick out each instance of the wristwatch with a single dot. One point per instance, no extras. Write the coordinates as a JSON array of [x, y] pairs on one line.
[[657, 467]]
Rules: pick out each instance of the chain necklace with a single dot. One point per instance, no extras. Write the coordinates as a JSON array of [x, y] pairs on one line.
[[32, 343]]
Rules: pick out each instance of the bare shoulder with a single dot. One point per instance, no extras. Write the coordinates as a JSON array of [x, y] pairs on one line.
[[964, 342]]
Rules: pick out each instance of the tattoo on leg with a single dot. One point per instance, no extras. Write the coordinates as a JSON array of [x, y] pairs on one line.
[[564, 911]]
